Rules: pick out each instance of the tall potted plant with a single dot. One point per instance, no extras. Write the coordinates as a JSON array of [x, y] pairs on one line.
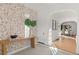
[[31, 24]]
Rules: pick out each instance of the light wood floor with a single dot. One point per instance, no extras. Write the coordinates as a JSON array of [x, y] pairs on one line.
[[66, 43]]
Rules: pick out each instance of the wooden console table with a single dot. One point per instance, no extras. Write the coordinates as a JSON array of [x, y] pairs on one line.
[[6, 44]]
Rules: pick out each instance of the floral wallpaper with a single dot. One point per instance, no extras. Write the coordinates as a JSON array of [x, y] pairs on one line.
[[12, 17]]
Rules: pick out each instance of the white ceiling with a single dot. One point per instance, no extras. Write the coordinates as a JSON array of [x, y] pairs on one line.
[[52, 6], [48, 9]]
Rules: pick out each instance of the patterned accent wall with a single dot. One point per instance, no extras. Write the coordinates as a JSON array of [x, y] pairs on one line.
[[12, 17]]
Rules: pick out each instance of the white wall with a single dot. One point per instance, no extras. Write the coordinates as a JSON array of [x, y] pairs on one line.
[[77, 47], [45, 14]]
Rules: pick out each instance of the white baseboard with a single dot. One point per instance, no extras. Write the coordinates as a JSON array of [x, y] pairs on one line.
[[18, 50]]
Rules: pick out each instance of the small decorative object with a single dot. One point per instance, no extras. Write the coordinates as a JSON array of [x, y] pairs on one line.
[[13, 36]]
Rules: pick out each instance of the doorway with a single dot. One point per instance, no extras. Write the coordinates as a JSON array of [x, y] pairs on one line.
[[66, 30]]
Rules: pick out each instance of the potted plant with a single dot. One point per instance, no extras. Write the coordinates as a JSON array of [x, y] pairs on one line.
[[31, 24]]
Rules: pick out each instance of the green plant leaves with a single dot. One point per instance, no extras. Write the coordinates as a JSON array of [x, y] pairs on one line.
[[27, 22], [30, 23], [33, 23]]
